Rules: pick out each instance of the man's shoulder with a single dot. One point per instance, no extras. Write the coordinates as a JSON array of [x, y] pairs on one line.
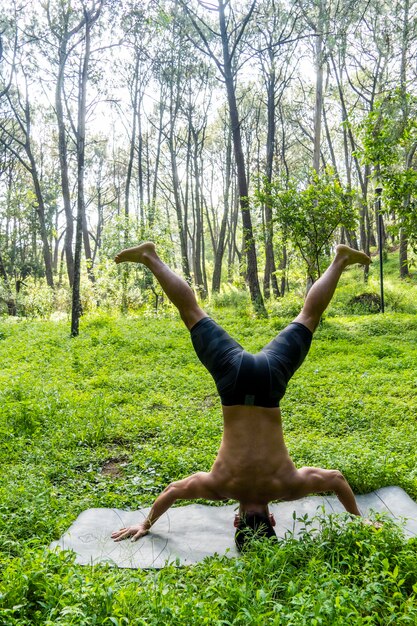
[[308, 480], [212, 483], [199, 485]]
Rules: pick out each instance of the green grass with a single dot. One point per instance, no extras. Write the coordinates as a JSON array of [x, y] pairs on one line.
[[130, 391]]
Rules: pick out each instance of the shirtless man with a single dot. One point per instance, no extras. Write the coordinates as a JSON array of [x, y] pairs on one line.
[[253, 465]]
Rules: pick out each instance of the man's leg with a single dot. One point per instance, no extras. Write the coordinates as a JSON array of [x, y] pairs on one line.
[[177, 290], [320, 294]]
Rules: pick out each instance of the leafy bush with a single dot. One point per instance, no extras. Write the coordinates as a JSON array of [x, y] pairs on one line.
[[288, 306], [36, 300], [365, 303], [231, 297], [401, 298]]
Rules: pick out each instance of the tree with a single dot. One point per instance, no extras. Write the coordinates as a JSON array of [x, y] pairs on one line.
[[230, 37], [274, 44], [90, 17], [10, 301], [59, 19], [16, 137], [407, 32], [311, 215], [390, 145], [219, 242]]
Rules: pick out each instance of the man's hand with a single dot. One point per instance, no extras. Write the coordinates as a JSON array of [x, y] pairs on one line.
[[136, 532], [195, 486]]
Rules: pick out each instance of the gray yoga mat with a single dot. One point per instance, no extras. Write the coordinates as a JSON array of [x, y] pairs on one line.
[[187, 534]]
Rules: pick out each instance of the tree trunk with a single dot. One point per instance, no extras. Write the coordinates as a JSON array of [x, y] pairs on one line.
[[141, 192], [219, 252], [10, 301], [152, 207], [63, 160], [199, 281], [283, 267], [364, 226], [270, 278], [64, 36], [319, 97], [178, 211], [40, 208], [404, 271], [312, 268], [81, 217], [25, 123], [132, 143], [249, 240]]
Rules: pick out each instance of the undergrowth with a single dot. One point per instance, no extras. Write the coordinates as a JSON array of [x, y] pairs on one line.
[[130, 393]]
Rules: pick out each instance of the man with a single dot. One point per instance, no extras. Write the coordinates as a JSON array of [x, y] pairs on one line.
[[253, 465]]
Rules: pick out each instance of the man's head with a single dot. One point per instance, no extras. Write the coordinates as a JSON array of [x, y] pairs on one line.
[[251, 525]]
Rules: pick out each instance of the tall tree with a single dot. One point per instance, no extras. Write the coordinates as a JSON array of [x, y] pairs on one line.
[[65, 25], [16, 135], [367, 80], [90, 17], [230, 35], [407, 31], [274, 41], [219, 243]]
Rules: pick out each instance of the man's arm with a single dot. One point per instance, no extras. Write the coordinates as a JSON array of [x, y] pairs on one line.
[[318, 480], [190, 488]]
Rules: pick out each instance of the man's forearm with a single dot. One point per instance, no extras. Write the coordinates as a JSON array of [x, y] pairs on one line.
[[161, 504], [189, 488], [345, 494]]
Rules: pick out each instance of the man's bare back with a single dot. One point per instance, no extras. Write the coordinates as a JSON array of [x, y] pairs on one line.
[[253, 465]]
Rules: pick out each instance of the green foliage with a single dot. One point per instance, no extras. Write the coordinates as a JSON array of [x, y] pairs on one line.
[[231, 296], [36, 300], [287, 307], [346, 573], [389, 139], [389, 130], [399, 295], [400, 196], [366, 302], [130, 392], [310, 215]]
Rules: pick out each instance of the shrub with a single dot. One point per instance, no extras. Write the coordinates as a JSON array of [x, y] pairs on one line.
[[231, 297], [288, 306], [365, 303]]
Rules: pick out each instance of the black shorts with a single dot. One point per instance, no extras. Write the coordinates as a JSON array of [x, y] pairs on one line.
[[251, 379]]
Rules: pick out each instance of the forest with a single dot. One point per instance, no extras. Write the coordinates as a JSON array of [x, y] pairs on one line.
[[245, 138]]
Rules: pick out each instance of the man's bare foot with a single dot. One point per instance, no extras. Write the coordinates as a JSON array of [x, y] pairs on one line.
[[351, 256], [138, 254]]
